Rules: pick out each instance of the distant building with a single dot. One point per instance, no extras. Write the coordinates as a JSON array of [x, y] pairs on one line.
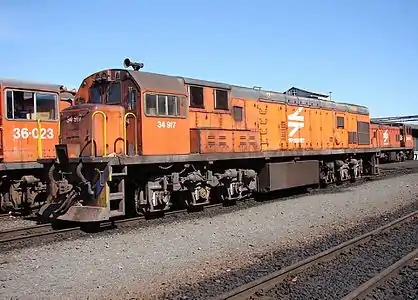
[[303, 93]]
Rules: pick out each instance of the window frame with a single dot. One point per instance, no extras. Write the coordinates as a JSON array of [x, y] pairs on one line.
[[179, 96], [108, 93], [91, 88], [55, 94], [343, 122], [189, 87], [215, 102], [234, 111]]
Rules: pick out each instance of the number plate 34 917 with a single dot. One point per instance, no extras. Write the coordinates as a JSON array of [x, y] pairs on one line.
[[168, 124]]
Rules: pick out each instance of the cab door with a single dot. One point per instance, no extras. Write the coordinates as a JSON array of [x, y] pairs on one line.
[[374, 134], [132, 120], [165, 127], [340, 133]]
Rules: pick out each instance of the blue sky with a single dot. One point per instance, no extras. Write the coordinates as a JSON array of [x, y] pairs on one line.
[[364, 52]]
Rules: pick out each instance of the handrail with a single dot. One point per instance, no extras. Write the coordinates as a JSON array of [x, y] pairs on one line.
[[39, 138], [125, 118], [104, 131], [59, 130], [1, 141]]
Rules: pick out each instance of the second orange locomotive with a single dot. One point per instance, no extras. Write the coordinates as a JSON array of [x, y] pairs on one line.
[[394, 140], [142, 142], [29, 129]]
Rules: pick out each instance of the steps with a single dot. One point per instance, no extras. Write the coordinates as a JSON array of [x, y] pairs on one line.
[[116, 185]]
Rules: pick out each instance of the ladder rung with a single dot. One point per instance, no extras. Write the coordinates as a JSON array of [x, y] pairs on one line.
[[116, 196], [119, 174]]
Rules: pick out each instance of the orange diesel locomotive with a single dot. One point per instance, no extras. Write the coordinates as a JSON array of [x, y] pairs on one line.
[[142, 142], [29, 129], [394, 140]]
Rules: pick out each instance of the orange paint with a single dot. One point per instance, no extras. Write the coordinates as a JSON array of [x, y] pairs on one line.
[[22, 104], [218, 120]]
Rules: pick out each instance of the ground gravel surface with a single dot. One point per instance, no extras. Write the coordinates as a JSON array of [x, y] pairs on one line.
[[156, 259], [403, 286], [338, 277], [10, 222], [269, 261]]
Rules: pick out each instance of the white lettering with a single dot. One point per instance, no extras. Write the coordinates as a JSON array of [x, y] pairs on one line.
[[385, 137], [296, 140], [25, 133], [168, 124], [296, 122], [73, 119]]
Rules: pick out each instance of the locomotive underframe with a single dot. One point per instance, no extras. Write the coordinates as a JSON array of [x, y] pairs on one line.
[[23, 186], [388, 155], [94, 189]]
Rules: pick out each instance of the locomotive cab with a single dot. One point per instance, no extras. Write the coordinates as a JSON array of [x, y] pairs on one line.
[[124, 112], [117, 113]]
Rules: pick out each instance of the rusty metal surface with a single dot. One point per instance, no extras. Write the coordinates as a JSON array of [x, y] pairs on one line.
[[176, 84], [152, 159], [284, 175], [20, 166], [158, 82], [200, 82], [250, 93], [29, 85], [86, 214]]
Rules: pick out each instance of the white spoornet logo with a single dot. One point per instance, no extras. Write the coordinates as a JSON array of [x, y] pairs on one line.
[[296, 122], [385, 137]]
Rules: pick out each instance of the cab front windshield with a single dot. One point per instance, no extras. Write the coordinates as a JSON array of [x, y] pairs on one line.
[[105, 93]]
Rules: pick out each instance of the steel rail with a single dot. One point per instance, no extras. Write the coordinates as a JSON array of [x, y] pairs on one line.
[[364, 289], [30, 232], [268, 282]]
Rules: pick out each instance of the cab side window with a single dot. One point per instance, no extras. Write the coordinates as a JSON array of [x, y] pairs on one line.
[[165, 105], [25, 105], [45, 106], [221, 99], [196, 97]]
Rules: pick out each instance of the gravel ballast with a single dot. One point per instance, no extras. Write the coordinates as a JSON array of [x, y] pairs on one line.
[[338, 277], [11, 222], [155, 259], [403, 285]]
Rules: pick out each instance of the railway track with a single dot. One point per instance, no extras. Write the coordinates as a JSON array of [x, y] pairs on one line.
[[4, 215], [16, 234], [32, 232], [366, 288], [257, 288]]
